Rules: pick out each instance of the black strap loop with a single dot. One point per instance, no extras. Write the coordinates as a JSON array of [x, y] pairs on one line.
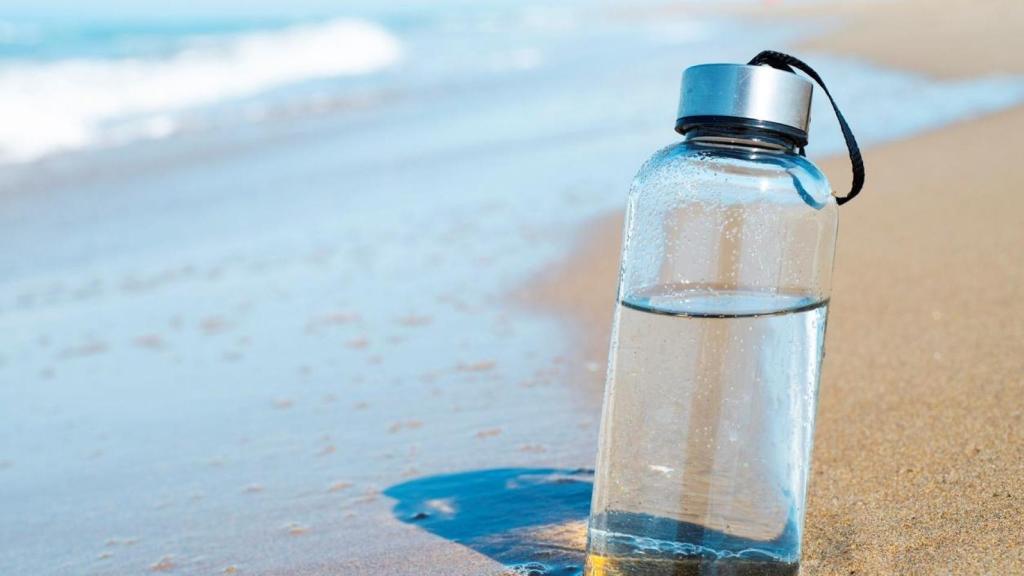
[[786, 62]]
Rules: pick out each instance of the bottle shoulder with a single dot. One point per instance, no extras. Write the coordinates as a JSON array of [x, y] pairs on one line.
[[701, 169]]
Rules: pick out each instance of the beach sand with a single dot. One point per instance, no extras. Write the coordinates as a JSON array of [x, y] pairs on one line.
[[954, 39], [919, 451]]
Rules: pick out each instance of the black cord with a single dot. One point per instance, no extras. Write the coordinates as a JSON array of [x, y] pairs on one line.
[[786, 62]]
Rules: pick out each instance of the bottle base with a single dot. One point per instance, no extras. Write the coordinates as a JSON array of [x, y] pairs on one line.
[[598, 565]]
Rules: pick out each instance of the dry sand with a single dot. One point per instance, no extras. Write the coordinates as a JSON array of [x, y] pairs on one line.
[[952, 38], [919, 453]]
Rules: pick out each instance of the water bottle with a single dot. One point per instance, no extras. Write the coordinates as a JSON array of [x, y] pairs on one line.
[[718, 335]]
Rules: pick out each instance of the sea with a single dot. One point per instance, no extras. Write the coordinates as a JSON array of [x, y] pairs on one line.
[[75, 77]]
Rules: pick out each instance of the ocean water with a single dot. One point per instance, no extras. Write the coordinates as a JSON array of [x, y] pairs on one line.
[[260, 264], [72, 79], [67, 87]]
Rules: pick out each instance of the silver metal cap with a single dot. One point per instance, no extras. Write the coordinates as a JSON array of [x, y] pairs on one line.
[[762, 94]]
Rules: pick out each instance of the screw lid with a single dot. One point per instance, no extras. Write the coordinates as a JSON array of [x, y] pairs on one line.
[[761, 95]]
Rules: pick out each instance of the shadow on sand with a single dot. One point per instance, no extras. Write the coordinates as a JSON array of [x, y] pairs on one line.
[[532, 520]]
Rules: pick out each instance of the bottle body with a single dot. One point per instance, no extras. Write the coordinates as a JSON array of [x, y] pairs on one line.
[[715, 361]]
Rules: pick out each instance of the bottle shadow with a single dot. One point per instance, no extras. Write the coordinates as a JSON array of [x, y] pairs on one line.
[[532, 520]]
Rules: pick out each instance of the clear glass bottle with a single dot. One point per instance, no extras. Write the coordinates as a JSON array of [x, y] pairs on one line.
[[718, 339]]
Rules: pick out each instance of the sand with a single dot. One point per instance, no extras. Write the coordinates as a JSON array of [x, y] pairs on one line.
[[950, 39], [920, 447], [919, 453]]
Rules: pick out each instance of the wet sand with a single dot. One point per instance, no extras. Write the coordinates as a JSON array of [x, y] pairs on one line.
[[919, 452]]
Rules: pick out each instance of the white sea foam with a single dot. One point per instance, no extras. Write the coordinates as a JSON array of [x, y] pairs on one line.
[[65, 104]]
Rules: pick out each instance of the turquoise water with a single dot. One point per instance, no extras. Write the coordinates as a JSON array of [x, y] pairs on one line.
[[229, 66]]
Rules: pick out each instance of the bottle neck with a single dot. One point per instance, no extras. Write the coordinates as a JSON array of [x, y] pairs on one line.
[[742, 136]]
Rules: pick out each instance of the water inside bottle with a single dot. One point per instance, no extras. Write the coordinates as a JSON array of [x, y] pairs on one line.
[[707, 433]]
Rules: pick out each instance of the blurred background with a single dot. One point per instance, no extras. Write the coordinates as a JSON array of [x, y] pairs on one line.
[[273, 272]]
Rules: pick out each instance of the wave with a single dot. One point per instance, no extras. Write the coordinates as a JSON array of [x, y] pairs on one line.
[[57, 105]]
